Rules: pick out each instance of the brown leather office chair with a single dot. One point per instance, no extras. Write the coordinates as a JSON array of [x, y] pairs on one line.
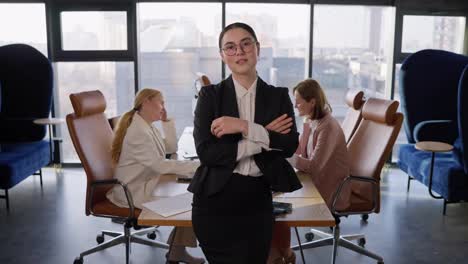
[[200, 81], [92, 135], [368, 149], [204, 80], [113, 121], [355, 100]]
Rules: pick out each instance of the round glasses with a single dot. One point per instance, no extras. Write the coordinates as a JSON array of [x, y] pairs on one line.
[[246, 46]]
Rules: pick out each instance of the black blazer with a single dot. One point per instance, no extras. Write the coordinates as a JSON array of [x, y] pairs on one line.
[[218, 155]]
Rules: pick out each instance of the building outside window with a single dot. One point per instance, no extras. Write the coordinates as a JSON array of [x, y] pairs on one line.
[[93, 31], [175, 44], [15, 29], [353, 49]]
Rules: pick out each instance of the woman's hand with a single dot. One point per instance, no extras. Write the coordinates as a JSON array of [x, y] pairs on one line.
[[281, 124], [164, 115], [228, 125]]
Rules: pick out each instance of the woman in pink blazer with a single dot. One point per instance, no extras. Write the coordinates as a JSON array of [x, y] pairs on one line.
[[322, 154]]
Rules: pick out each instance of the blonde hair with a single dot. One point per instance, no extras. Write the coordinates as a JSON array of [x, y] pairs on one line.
[[310, 89], [126, 120]]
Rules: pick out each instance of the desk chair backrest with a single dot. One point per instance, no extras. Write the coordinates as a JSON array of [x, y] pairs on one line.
[[92, 136], [435, 76], [26, 80], [355, 100], [201, 81], [461, 144], [113, 121], [204, 80], [371, 145]]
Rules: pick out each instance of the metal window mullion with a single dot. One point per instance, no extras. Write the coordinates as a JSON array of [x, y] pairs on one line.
[[134, 25], [311, 37]]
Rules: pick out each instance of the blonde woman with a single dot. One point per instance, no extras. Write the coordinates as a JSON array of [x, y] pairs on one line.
[[322, 154], [139, 153]]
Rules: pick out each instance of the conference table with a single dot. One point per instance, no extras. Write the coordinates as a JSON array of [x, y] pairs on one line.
[[309, 208]]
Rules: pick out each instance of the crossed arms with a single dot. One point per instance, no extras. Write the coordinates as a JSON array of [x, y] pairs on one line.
[[217, 139]]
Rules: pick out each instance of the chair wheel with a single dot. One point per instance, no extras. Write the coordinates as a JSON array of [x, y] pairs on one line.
[[361, 242], [151, 235], [78, 260], [100, 239], [309, 236], [364, 217]]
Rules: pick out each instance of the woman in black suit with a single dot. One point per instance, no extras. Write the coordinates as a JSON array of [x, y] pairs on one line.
[[243, 131]]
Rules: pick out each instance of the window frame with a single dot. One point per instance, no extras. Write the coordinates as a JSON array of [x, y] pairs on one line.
[[56, 53], [398, 55], [61, 55]]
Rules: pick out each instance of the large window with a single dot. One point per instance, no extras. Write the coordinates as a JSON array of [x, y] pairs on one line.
[[176, 41], [283, 31], [93, 52], [114, 79], [396, 91], [16, 29], [401, 139], [94, 30], [426, 32], [353, 49], [433, 32]]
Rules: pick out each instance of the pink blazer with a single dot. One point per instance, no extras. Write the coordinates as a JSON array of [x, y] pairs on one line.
[[327, 160]]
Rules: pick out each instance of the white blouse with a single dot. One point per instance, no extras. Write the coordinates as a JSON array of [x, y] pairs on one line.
[[257, 137], [143, 159]]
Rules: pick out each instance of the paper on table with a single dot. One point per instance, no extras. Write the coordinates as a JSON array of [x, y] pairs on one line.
[[171, 205], [168, 186]]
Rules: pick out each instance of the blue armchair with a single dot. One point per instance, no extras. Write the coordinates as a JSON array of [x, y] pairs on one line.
[[26, 80], [434, 100]]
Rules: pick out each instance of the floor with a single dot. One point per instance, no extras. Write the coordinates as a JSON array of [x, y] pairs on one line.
[[48, 225]]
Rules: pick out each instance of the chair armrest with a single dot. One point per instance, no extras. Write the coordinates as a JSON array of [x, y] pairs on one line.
[[337, 194], [128, 195], [105, 182], [436, 130]]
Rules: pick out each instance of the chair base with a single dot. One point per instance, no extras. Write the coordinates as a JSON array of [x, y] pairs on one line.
[[127, 237], [336, 240]]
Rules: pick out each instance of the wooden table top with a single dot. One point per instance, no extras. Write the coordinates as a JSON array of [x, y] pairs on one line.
[[433, 146], [309, 209]]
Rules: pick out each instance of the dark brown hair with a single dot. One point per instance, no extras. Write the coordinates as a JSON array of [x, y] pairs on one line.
[[236, 25], [310, 89]]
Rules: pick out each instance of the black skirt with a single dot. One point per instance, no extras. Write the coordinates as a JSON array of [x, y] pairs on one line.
[[236, 224]]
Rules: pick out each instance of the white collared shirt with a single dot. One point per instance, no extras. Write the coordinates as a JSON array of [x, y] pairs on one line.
[[257, 137]]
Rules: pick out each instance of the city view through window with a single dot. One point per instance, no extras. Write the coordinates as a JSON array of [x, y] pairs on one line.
[[353, 55], [175, 43], [352, 49], [89, 30], [15, 29], [430, 32]]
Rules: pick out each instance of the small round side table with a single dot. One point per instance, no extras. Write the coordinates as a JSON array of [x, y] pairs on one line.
[[433, 147]]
